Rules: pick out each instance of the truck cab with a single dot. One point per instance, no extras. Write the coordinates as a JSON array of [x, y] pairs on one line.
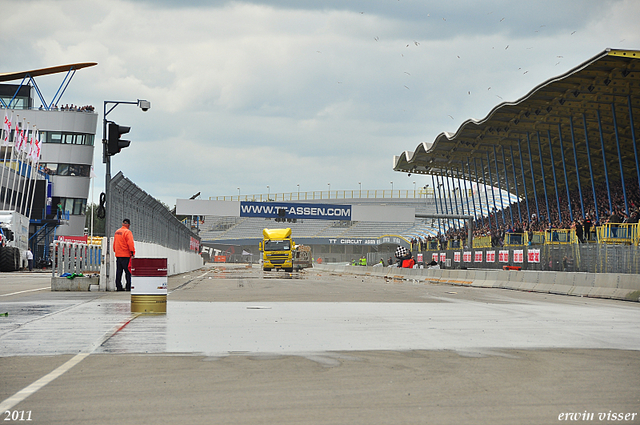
[[277, 249]]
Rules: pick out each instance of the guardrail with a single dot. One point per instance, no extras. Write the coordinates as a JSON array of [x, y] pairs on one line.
[[73, 257], [620, 233], [515, 239], [557, 236], [482, 242]]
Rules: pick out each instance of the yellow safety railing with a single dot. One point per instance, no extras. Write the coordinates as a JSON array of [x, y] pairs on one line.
[[94, 240], [557, 237], [455, 244], [432, 245], [482, 242], [538, 238], [515, 239], [619, 233]]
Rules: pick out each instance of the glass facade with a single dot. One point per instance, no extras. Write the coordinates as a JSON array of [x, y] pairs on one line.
[[67, 138], [62, 138], [67, 169], [74, 206]]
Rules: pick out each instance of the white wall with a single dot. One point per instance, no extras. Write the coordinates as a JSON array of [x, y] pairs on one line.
[[177, 261]]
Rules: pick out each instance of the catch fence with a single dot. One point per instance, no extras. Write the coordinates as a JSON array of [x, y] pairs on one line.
[[151, 221]]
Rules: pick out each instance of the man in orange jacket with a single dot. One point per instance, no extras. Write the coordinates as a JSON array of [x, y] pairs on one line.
[[124, 250]]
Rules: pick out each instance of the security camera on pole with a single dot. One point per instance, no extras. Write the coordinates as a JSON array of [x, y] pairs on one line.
[[111, 145]]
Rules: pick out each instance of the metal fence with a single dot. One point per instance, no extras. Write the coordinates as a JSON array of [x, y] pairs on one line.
[[151, 221], [72, 257], [591, 258]]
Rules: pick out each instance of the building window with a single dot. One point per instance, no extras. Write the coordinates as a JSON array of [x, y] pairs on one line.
[[67, 138], [74, 206], [77, 170]]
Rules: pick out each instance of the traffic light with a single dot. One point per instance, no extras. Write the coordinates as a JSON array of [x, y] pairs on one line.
[[115, 144]]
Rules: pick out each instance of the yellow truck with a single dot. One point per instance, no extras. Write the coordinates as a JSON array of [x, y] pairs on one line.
[[277, 249]]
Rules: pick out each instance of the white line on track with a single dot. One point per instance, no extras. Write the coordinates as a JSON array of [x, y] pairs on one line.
[[21, 395], [28, 290]]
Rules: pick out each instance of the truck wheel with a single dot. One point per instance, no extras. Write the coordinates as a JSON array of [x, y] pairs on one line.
[[267, 269], [17, 259], [289, 270], [6, 259]]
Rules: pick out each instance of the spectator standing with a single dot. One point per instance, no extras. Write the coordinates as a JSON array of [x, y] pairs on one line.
[[579, 231], [586, 224], [30, 259]]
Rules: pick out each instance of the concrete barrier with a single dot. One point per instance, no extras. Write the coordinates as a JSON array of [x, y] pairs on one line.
[[75, 284], [598, 285]]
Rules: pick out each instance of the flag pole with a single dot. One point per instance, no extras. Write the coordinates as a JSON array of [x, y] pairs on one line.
[[6, 128], [6, 169], [17, 173], [33, 174], [25, 164]]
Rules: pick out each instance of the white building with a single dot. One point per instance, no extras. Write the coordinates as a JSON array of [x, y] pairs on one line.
[[68, 136]]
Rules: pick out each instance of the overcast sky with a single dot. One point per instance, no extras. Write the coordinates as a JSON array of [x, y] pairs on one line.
[[250, 94]]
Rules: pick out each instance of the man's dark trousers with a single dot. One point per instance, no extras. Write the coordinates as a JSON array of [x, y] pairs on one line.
[[122, 264]]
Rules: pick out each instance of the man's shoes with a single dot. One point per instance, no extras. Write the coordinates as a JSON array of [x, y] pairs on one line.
[[119, 289], [128, 289]]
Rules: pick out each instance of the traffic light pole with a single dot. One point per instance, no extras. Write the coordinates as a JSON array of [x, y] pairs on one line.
[[106, 159]]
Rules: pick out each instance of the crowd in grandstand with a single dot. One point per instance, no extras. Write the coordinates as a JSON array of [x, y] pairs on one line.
[[515, 218], [72, 107]]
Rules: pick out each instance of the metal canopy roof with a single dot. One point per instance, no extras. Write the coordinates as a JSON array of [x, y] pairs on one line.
[[599, 97], [10, 76]]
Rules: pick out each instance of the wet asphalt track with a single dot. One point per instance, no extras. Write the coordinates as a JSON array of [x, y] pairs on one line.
[[241, 346]]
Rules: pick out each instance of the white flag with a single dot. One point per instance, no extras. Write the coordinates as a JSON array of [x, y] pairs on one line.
[[25, 141], [35, 150], [18, 141], [7, 128], [31, 147]]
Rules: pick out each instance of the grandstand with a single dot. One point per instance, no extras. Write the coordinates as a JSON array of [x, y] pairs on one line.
[[557, 167]]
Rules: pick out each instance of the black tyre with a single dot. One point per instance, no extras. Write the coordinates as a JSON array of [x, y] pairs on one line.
[[17, 260], [6, 259], [267, 269]]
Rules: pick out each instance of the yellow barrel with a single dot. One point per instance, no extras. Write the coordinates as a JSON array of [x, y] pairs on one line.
[[152, 304], [149, 285]]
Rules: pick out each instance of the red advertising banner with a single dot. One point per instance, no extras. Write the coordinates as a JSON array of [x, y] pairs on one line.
[[434, 257], [456, 256], [443, 257], [73, 239], [533, 256], [419, 257], [503, 256], [491, 256], [466, 257], [478, 257], [518, 256]]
